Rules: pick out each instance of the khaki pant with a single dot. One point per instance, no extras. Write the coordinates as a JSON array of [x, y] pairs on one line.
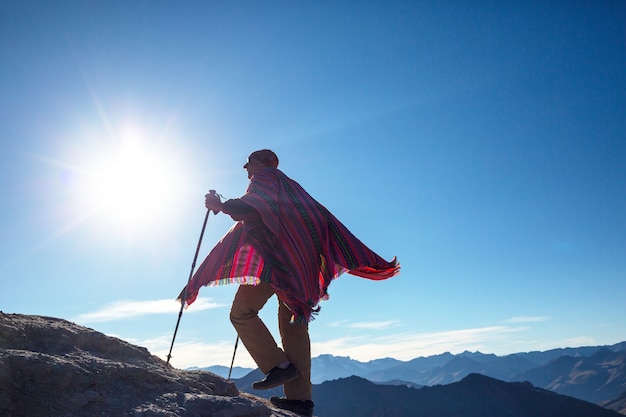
[[262, 346]]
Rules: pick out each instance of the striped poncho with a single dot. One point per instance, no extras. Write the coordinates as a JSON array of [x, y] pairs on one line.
[[298, 248]]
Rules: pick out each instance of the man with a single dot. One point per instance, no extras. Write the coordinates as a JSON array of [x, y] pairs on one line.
[[284, 243]]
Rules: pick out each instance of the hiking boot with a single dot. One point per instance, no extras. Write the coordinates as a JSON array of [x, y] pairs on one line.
[[277, 377], [303, 407]]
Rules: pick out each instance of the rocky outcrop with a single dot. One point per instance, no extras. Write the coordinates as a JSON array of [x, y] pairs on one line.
[[51, 367]]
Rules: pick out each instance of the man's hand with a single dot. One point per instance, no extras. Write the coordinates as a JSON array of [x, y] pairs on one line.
[[212, 202]]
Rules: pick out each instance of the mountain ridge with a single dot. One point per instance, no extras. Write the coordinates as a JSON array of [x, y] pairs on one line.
[[474, 396], [525, 360], [591, 373]]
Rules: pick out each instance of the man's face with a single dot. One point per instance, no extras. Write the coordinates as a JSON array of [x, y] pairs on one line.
[[253, 165]]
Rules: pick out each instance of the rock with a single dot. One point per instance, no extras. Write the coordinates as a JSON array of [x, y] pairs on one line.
[[51, 367]]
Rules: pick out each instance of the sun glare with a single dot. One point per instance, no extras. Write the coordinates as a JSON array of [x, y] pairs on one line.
[[131, 183]]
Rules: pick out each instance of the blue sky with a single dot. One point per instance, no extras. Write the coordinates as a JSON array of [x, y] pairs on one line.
[[482, 143]]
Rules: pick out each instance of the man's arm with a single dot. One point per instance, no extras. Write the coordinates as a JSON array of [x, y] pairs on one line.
[[235, 208], [239, 210]]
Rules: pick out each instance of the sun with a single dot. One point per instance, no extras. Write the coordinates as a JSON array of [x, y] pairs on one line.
[[129, 183]]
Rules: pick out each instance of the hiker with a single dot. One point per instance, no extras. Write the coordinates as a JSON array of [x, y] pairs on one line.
[[284, 243]]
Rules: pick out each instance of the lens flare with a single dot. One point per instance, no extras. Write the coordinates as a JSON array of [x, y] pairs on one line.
[[129, 184]]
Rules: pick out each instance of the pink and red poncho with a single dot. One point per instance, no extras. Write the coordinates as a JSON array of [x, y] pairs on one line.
[[298, 248]]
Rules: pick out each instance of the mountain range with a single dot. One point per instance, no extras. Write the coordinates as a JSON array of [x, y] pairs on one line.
[[595, 374], [474, 396]]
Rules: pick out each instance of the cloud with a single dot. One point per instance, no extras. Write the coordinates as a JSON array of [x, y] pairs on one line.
[[406, 346], [190, 353], [374, 324], [125, 309], [527, 319], [402, 346], [365, 324], [338, 323], [581, 341]]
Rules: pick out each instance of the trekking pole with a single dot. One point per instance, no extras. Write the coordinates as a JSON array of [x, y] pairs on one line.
[[193, 266], [233, 360]]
